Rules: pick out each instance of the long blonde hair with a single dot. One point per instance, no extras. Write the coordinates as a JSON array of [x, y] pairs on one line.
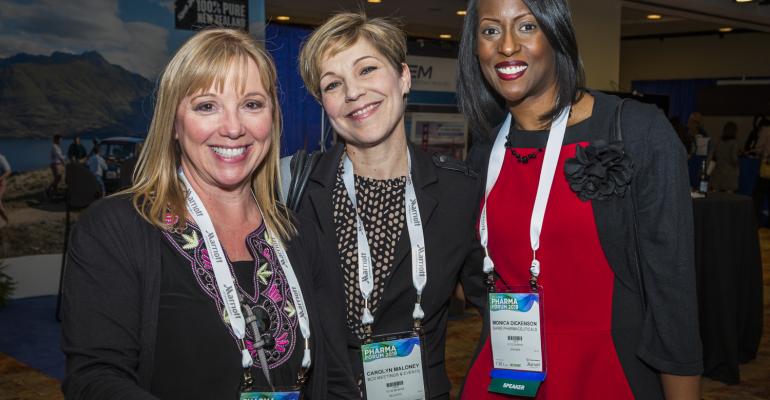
[[203, 61]]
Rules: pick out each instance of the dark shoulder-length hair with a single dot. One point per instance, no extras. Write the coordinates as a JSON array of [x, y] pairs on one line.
[[729, 131], [483, 107]]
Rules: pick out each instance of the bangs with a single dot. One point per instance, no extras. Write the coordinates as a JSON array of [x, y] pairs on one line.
[[340, 43], [220, 65]]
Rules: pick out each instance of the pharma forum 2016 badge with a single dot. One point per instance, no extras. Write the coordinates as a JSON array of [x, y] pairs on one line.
[[393, 369], [517, 343]]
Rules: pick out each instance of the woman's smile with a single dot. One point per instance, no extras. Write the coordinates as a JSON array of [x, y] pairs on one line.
[[230, 154], [364, 112], [510, 70]]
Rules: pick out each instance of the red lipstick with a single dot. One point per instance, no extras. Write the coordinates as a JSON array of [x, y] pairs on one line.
[[510, 70]]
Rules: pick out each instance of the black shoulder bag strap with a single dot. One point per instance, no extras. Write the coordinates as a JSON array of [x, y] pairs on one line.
[[617, 136], [302, 165]]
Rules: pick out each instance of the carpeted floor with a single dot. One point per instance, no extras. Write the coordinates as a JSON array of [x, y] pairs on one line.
[[30, 333], [29, 336], [31, 364]]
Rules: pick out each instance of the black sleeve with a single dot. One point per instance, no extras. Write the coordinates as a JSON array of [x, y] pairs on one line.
[[472, 274], [670, 336], [101, 313], [330, 306]]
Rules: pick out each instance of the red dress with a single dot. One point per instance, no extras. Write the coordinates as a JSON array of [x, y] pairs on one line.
[[577, 282]]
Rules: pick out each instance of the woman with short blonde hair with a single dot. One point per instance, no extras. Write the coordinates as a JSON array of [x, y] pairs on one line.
[[376, 197], [341, 32], [192, 283]]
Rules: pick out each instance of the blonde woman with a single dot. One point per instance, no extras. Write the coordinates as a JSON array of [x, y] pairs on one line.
[[377, 198], [195, 282]]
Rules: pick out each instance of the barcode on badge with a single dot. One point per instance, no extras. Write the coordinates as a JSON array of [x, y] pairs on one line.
[[515, 338], [395, 384]]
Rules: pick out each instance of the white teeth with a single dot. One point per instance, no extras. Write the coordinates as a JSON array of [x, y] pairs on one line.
[[364, 110], [229, 152], [511, 70]]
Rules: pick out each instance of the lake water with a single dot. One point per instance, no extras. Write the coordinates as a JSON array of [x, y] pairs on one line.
[[32, 154]]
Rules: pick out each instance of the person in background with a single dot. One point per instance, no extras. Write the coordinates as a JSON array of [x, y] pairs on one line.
[[701, 147], [759, 123], [76, 152], [762, 151], [698, 133], [98, 166], [5, 172], [128, 166], [590, 220], [57, 162], [196, 283], [724, 177], [378, 197]]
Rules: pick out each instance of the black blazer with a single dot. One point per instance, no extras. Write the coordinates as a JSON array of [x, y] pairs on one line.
[[114, 269], [448, 194]]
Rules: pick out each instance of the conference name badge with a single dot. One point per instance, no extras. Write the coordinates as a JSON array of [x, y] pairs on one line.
[[393, 369], [517, 343], [293, 395]]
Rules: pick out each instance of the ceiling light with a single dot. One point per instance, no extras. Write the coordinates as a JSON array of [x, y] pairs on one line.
[[461, 13], [282, 18], [654, 16], [374, 1], [725, 29], [743, 1], [445, 36]]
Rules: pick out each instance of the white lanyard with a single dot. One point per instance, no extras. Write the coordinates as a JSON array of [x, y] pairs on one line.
[[416, 239], [225, 282], [296, 293], [550, 160]]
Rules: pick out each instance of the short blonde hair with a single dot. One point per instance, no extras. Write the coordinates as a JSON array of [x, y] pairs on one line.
[[342, 31], [203, 61]]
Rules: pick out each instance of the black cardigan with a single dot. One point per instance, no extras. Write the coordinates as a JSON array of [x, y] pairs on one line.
[[665, 335], [448, 195], [111, 297]]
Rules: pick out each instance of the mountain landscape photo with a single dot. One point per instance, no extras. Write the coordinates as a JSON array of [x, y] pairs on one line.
[[71, 94]]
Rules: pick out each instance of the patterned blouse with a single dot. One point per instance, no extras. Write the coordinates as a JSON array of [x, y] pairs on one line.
[[192, 318], [381, 207]]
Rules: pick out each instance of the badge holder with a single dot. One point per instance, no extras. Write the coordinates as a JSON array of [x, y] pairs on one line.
[[518, 341], [249, 392], [275, 393], [394, 367], [288, 394]]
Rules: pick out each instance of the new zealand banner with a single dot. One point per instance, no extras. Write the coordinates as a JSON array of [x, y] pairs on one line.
[[198, 14]]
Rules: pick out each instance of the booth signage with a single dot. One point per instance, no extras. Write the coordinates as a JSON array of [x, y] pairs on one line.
[[198, 14], [432, 74]]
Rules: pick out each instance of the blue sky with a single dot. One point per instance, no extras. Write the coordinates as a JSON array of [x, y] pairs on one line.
[[138, 35]]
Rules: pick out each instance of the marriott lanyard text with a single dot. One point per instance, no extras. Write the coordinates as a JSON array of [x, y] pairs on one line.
[[416, 239], [393, 368], [515, 318], [225, 282]]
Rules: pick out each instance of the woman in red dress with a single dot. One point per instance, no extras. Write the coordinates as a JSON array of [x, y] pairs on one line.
[[591, 215]]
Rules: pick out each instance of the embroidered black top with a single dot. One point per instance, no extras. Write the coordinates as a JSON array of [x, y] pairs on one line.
[[191, 327]]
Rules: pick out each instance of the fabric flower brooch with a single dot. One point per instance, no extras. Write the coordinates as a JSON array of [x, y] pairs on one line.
[[599, 170]]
